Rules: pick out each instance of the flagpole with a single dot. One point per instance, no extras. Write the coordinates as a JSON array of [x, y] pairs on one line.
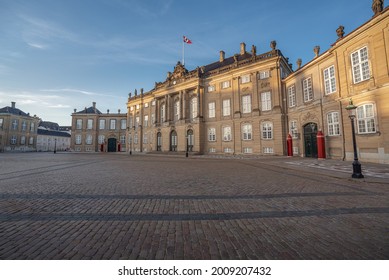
[[183, 53]]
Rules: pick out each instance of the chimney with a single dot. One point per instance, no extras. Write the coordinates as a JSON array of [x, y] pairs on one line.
[[316, 50], [222, 55], [242, 48], [13, 104], [75, 110], [94, 105]]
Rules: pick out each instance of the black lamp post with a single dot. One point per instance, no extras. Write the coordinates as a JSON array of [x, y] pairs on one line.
[[55, 145], [187, 145], [357, 168]]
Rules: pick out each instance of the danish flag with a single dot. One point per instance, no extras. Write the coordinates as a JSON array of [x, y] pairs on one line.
[[186, 40]]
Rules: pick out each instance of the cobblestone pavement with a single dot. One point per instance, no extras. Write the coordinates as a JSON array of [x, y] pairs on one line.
[[116, 206]]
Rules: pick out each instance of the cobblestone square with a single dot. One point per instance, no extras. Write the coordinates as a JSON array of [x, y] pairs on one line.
[[116, 206]]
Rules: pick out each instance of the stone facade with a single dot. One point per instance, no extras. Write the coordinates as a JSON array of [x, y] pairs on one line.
[[93, 131], [355, 67], [231, 106], [18, 130], [249, 103]]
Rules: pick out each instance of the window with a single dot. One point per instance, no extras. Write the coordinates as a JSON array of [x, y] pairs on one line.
[[333, 123], [136, 138], [247, 132], [153, 103], [177, 110], [137, 120], [212, 134], [211, 109], [123, 124], [360, 65], [247, 150], [101, 124], [211, 88], [13, 139], [79, 124], [137, 106], [307, 89], [162, 113], [366, 119], [101, 139], [267, 130], [24, 125], [145, 138], [266, 101], [22, 140], [123, 139], [228, 150], [225, 84], [112, 124], [226, 107], [88, 140], [245, 79], [31, 141], [193, 108], [264, 75], [268, 150], [146, 105], [152, 118], [246, 104], [132, 108], [292, 96], [89, 124], [227, 133], [32, 127], [1, 123], [293, 129], [146, 121], [78, 139], [15, 124], [329, 80], [212, 150]]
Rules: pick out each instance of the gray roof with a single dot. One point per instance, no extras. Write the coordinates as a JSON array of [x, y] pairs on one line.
[[90, 110], [53, 133], [13, 111]]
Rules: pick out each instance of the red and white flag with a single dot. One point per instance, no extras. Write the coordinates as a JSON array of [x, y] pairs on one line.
[[186, 40]]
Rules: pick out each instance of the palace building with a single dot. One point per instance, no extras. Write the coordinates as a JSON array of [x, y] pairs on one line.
[[18, 130], [256, 104]]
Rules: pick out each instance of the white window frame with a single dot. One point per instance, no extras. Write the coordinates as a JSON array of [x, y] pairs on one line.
[[360, 65], [292, 96], [329, 80], [177, 110], [79, 124], [225, 84], [101, 124], [366, 118], [15, 124], [247, 132], [162, 112], [123, 124], [211, 109], [101, 139], [264, 75], [78, 139], [267, 130], [293, 130], [193, 108], [226, 107], [13, 140], [246, 104], [333, 124], [89, 139], [112, 124], [266, 101], [24, 125], [227, 133], [308, 89], [146, 121], [245, 79], [211, 88], [211, 134]]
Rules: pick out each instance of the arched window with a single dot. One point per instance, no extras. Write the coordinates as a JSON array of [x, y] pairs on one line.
[[173, 141], [190, 140]]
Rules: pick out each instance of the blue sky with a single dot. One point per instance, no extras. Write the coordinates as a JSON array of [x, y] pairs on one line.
[[61, 55]]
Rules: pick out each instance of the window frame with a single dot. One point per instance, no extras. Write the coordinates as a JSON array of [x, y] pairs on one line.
[[329, 80], [360, 65]]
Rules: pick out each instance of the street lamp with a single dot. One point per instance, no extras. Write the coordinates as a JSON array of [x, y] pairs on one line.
[[55, 145], [187, 145], [357, 168]]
